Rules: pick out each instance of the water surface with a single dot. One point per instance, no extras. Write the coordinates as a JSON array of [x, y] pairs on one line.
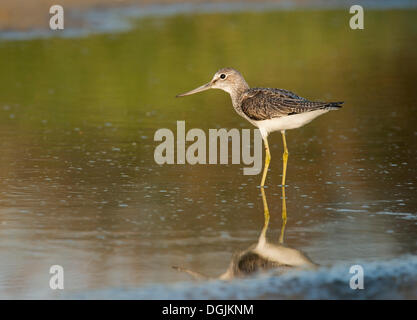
[[79, 186]]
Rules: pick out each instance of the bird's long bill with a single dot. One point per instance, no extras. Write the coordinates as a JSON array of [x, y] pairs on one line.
[[199, 89]]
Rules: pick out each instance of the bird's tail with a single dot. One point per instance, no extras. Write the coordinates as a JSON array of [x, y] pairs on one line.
[[333, 105]]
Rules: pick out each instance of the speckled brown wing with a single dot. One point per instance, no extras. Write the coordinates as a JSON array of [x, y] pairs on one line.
[[266, 103]]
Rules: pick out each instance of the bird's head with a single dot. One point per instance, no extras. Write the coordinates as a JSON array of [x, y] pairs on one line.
[[226, 79]]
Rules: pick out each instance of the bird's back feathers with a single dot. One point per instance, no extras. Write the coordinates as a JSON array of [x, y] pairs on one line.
[[267, 103]]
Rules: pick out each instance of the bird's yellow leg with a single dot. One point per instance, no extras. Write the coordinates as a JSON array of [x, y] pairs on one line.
[[267, 161], [284, 175], [284, 216], [266, 214], [284, 159]]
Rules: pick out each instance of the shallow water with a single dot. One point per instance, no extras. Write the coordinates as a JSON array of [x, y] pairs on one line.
[[79, 186]]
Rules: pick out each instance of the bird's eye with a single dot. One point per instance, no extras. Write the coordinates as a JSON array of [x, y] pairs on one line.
[[223, 76]]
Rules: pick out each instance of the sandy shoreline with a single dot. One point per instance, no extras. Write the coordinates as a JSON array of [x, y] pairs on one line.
[[29, 14], [24, 15]]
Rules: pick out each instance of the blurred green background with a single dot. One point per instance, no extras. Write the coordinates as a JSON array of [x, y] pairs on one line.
[[79, 185]]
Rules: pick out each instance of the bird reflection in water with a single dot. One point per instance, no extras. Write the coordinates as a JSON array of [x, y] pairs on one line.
[[263, 256]]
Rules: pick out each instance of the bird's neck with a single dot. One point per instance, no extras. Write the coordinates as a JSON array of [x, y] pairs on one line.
[[237, 92]]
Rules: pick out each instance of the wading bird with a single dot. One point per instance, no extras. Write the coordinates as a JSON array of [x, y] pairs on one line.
[[267, 108]]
